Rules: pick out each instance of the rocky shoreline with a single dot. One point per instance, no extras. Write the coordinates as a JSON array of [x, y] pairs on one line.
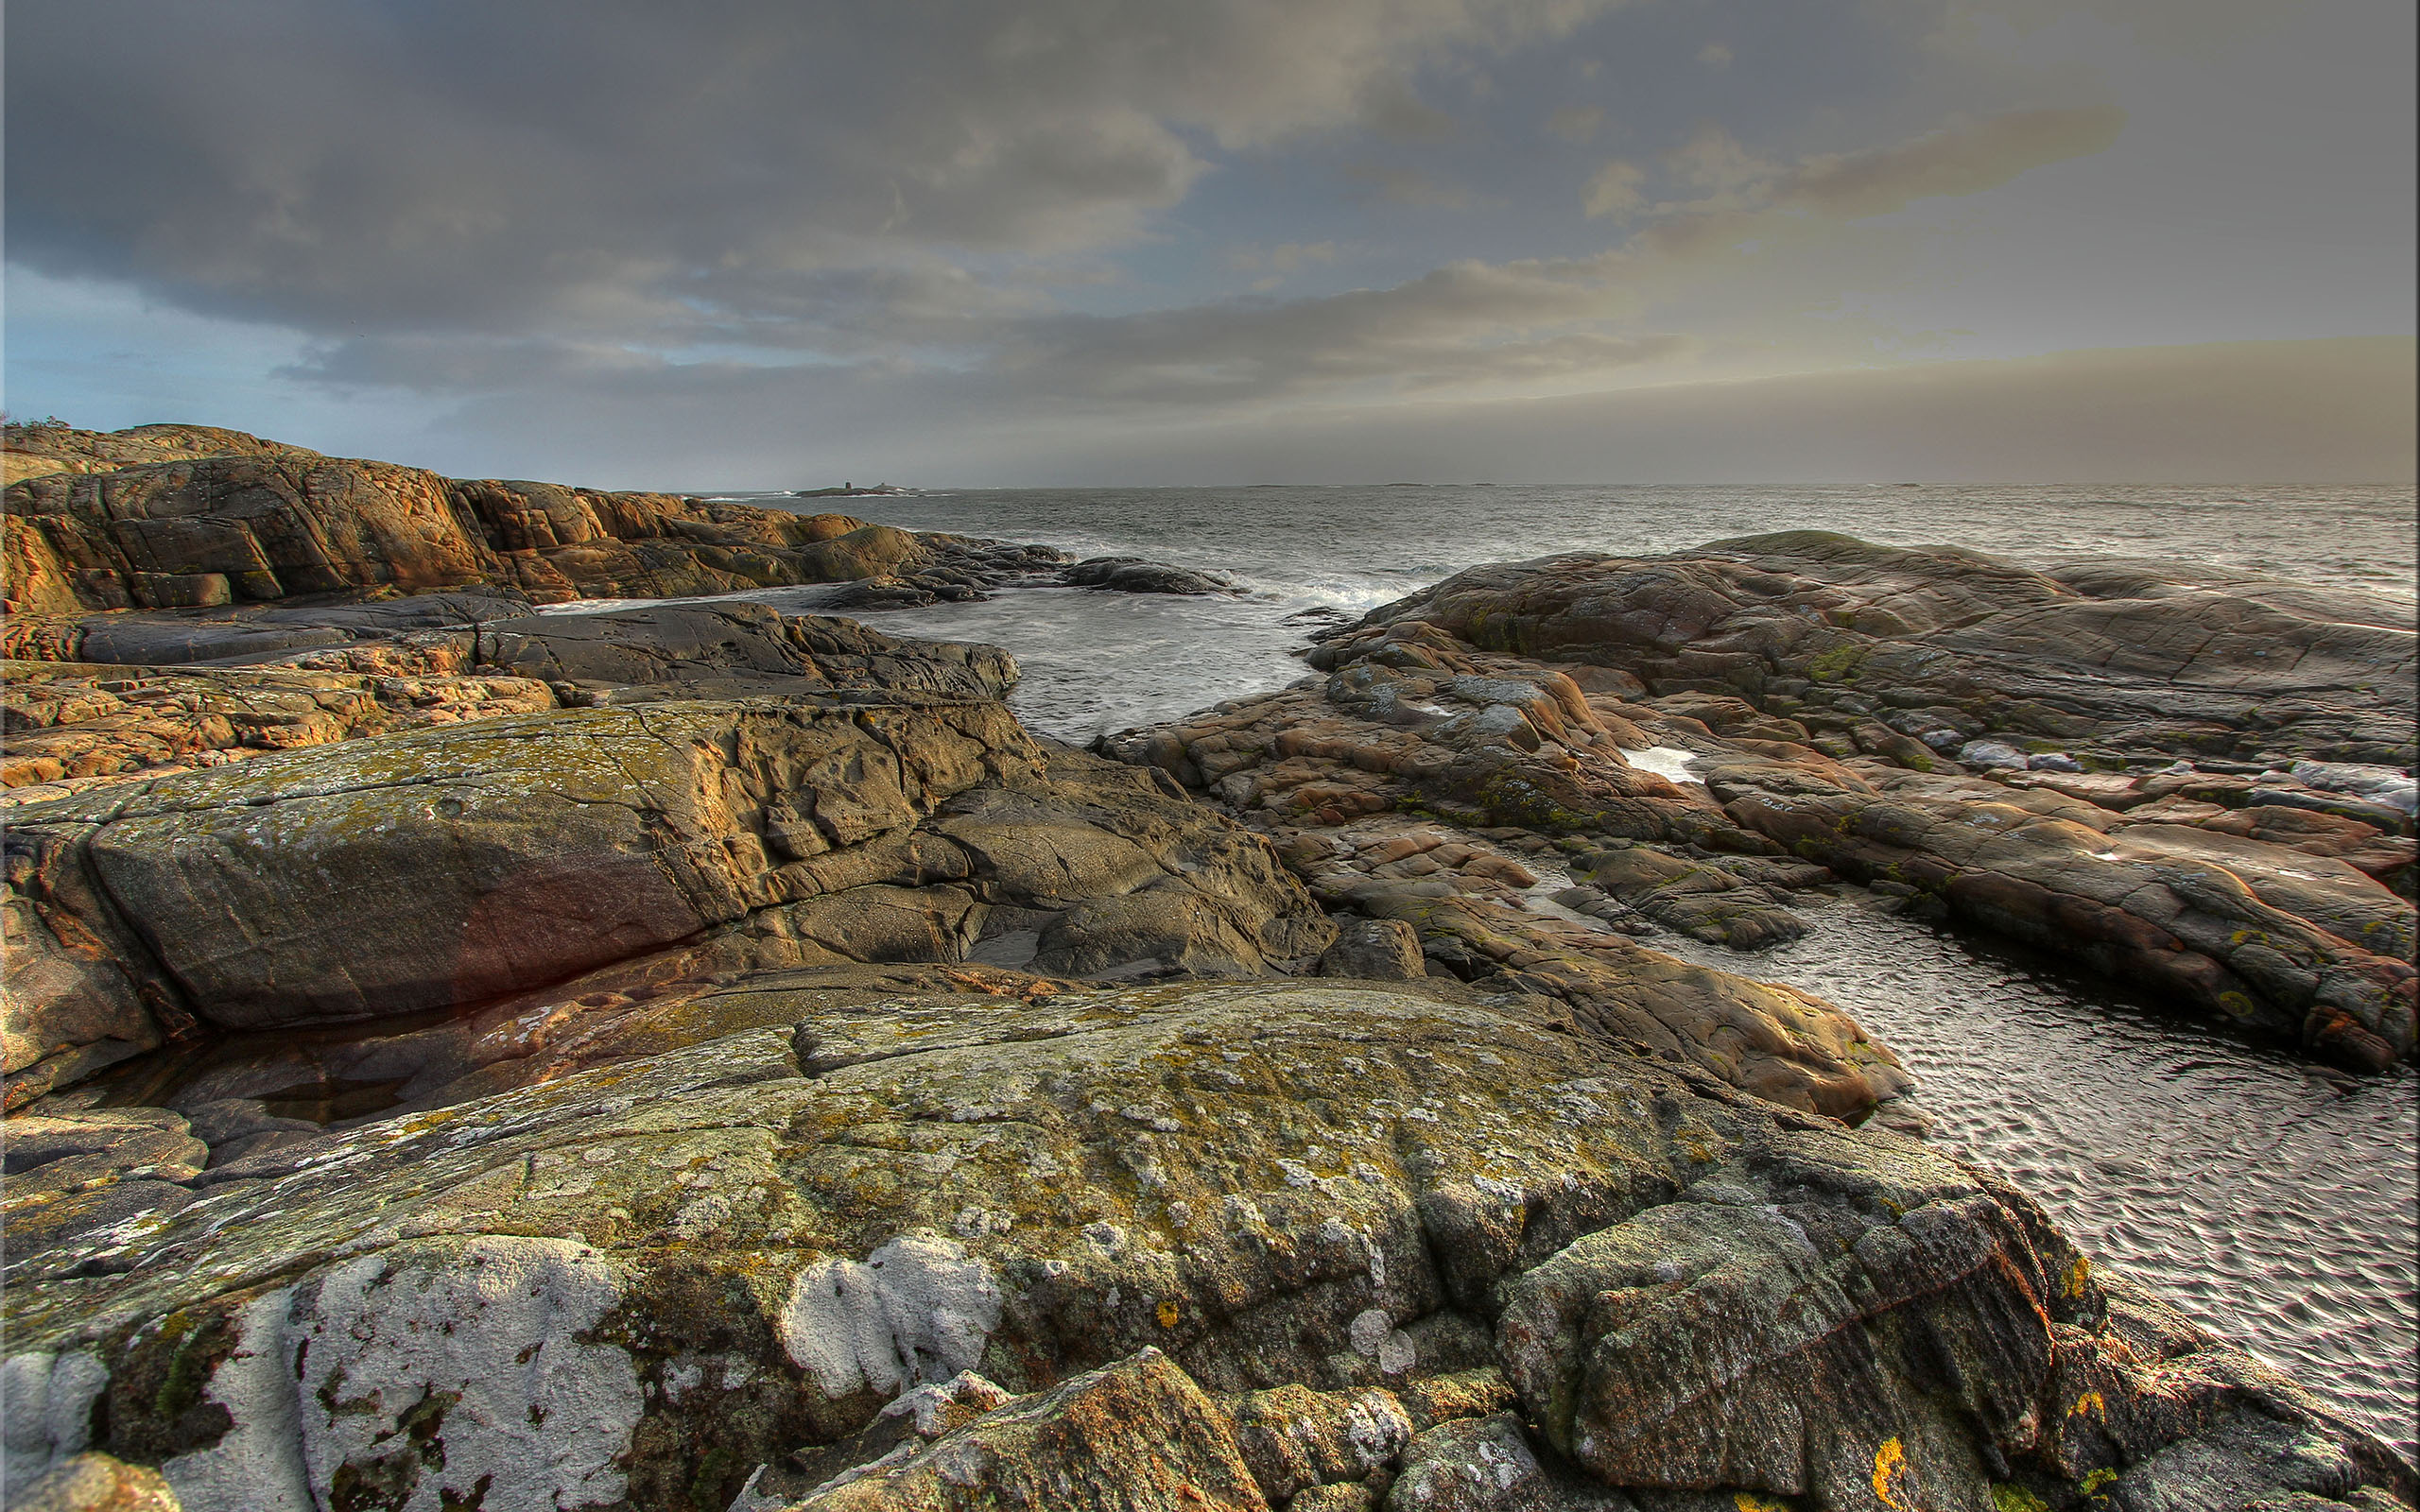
[[695, 1056]]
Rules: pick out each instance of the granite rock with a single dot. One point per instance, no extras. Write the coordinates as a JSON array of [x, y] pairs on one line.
[[1263, 1238]]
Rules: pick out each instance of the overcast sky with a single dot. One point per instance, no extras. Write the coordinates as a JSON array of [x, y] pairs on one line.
[[764, 243]]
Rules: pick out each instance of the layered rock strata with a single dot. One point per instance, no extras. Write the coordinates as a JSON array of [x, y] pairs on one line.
[[1308, 1244], [2177, 779], [437, 658]]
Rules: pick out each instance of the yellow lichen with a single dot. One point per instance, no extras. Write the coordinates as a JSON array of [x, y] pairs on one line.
[[2094, 1482], [1889, 1462], [2089, 1402], [1169, 1314], [2078, 1274]]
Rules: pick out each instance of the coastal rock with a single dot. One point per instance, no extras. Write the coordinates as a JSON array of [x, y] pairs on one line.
[[2156, 655], [75, 726], [1135, 1437], [1135, 574], [33, 450], [447, 867], [1381, 950], [736, 650], [95, 1483], [1674, 729], [1269, 1239], [411, 664], [186, 517], [438, 624]]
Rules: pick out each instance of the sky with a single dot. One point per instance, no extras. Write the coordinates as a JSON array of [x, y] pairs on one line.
[[774, 243]]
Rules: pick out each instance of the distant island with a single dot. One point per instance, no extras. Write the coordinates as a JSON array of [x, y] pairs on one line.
[[849, 491]]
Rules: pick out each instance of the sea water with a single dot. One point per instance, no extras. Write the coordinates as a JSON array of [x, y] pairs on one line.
[[2273, 1198]]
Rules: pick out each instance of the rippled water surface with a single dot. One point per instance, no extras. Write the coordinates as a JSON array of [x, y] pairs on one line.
[[1101, 661], [2273, 1199]]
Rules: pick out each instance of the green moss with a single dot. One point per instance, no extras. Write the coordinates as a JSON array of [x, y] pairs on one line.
[[2016, 1499], [1839, 664]]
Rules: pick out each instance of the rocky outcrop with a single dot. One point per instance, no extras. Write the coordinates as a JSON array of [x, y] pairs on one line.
[[446, 866], [432, 660], [1135, 575], [1690, 740], [33, 450], [186, 517], [2106, 657], [1309, 1244], [275, 523], [75, 726]]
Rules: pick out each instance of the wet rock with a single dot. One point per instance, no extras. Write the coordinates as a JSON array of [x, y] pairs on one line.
[[1134, 575], [2171, 915], [1702, 899]]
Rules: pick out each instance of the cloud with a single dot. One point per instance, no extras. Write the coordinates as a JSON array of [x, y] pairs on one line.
[[1467, 323], [1615, 190], [621, 170], [2210, 414], [1746, 196], [1715, 55], [1962, 159], [1576, 123], [2243, 412], [1408, 186]]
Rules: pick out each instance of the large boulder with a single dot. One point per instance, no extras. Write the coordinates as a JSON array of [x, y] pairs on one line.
[[917, 1252], [458, 864]]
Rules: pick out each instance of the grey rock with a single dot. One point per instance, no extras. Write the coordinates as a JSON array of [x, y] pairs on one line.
[[1135, 575], [1381, 950]]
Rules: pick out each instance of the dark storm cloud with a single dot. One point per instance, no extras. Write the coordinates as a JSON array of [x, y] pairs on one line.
[[651, 172]]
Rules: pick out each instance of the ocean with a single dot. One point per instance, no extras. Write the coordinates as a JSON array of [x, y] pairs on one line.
[[1100, 661]]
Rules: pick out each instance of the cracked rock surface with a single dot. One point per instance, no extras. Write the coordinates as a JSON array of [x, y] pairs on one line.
[[1307, 1244], [2200, 783]]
